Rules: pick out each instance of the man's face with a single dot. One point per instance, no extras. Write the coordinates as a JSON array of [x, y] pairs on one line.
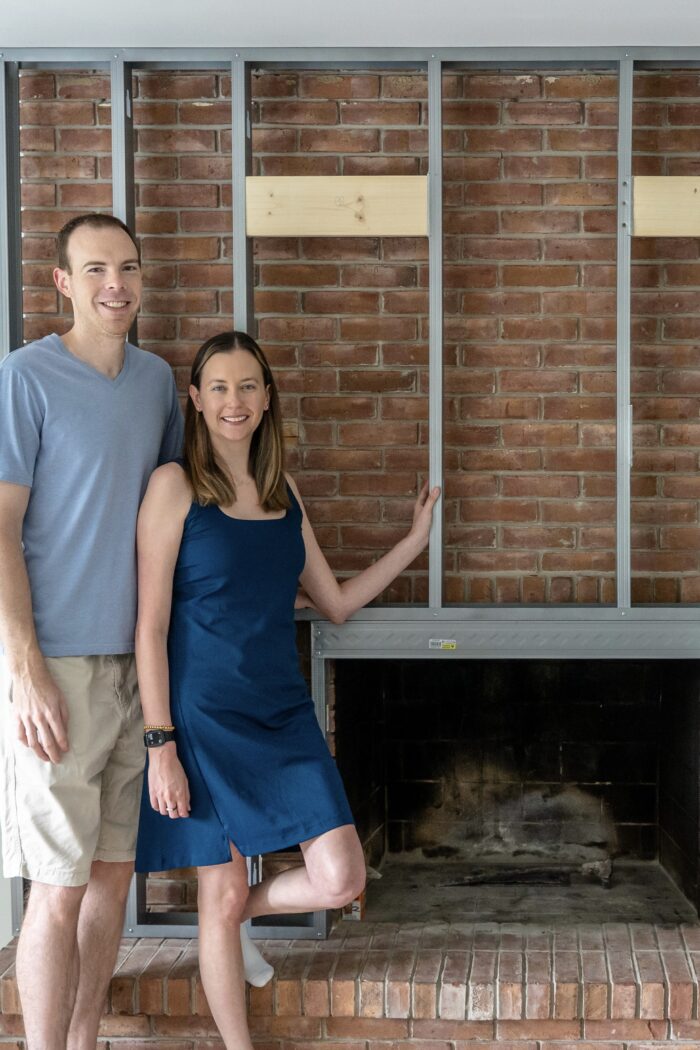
[[104, 282]]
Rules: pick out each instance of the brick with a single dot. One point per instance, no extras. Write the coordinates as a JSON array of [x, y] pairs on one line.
[[146, 113], [512, 140], [37, 139], [544, 113], [595, 985], [336, 140], [539, 221], [540, 1029], [160, 168], [510, 998], [382, 328], [538, 329], [372, 1028], [185, 248], [179, 140], [580, 193], [622, 1029], [582, 249], [181, 194], [299, 275], [57, 167], [379, 113], [125, 1027], [589, 85], [57, 114], [182, 85], [477, 169], [86, 195], [543, 167], [406, 140], [540, 276], [298, 112], [566, 970], [465, 113], [37, 220], [576, 140], [36, 84]]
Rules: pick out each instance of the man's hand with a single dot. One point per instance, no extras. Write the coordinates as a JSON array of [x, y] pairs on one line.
[[41, 712]]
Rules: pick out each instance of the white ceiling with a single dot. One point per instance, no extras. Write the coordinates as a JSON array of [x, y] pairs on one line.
[[360, 23]]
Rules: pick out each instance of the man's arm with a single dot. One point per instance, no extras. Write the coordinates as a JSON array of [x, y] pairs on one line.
[[38, 704]]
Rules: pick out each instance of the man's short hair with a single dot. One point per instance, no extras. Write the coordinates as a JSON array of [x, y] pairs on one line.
[[95, 219]]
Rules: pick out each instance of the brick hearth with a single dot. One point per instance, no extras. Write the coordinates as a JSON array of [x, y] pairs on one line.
[[437, 987]]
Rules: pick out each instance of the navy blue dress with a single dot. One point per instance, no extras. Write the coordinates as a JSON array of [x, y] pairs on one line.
[[259, 770]]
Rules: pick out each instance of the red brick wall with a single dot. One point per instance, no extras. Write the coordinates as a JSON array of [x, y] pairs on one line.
[[666, 359], [529, 307]]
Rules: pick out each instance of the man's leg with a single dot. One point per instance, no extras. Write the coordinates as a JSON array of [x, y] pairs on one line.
[[99, 933], [46, 962]]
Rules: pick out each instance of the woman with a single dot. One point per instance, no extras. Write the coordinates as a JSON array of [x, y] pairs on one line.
[[223, 542]]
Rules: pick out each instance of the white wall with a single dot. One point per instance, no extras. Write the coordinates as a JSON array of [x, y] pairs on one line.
[[361, 23]]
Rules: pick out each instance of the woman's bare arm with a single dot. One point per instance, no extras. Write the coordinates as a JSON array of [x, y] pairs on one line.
[[158, 535], [337, 600]]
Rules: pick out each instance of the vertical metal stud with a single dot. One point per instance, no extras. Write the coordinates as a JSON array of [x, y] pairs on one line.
[[624, 261], [122, 142], [435, 312], [10, 213], [241, 168], [123, 205]]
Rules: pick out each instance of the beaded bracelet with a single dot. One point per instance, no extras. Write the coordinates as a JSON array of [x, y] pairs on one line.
[[167, 729]]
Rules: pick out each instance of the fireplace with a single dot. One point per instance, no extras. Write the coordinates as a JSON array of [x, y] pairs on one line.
[[524, 790]]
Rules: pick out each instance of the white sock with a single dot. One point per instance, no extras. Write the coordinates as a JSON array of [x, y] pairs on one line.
[[257, 971]]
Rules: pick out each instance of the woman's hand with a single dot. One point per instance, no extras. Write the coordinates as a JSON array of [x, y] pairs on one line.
[[167, 784], [423, 513]]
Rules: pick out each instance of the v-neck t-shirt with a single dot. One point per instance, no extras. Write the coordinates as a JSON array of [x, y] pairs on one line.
[[86, 445]]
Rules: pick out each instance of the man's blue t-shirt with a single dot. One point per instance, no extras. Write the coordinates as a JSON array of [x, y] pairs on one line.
[[86, 445]]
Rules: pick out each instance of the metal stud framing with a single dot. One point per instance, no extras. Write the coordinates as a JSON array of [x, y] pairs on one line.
[[624, 406], [410, 631], [435, 312], [10, 225], [241, 167]]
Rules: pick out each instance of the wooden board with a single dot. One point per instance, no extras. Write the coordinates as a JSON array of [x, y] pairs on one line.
[[666, 206], [337, 206]]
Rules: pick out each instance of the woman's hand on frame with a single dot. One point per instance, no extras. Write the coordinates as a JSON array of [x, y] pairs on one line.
[[423, 512]]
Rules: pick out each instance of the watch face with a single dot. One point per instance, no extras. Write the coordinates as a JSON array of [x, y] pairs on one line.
[[155, 737]]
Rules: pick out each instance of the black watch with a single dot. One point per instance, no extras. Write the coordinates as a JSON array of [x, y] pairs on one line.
[[158, 737]]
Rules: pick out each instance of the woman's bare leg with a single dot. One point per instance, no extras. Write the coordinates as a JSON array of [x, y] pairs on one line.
[[333, 874], [223, 892]]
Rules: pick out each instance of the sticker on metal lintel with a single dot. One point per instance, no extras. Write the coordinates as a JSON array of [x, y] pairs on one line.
[[442, 643]]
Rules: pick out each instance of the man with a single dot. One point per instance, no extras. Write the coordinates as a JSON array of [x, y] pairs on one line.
[[84, 420]]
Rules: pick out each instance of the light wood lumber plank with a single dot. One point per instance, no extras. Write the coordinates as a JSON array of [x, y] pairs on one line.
[[666, 206], [337, 206]]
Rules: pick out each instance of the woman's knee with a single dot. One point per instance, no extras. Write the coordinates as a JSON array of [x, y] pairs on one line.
[[224, 899], [340, 885]]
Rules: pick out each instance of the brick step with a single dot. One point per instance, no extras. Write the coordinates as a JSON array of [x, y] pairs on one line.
[[432, 986]]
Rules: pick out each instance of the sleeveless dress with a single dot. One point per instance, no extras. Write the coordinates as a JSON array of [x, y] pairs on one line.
[[259, 770]]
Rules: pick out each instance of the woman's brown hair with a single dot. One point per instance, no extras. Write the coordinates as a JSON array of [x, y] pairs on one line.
[[210, 480]]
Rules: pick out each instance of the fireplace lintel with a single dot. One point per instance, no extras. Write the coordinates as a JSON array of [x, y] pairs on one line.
[[670, 633]]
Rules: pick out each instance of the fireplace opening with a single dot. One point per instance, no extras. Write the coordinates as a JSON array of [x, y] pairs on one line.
[[511, 791]]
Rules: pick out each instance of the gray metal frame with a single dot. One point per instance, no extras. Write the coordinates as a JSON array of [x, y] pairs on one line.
[[10, 215], [620, 631]]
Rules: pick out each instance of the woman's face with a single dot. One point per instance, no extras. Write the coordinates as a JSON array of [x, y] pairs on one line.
[[232, 396]]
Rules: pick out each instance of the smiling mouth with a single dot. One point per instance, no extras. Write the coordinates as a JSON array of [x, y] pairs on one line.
[[234, 419], [115, 304]]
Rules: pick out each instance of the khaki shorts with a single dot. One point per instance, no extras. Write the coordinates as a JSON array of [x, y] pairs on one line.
[[57, 819]]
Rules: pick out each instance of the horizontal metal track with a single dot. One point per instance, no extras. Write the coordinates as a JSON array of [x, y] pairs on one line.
[[628, 638]]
